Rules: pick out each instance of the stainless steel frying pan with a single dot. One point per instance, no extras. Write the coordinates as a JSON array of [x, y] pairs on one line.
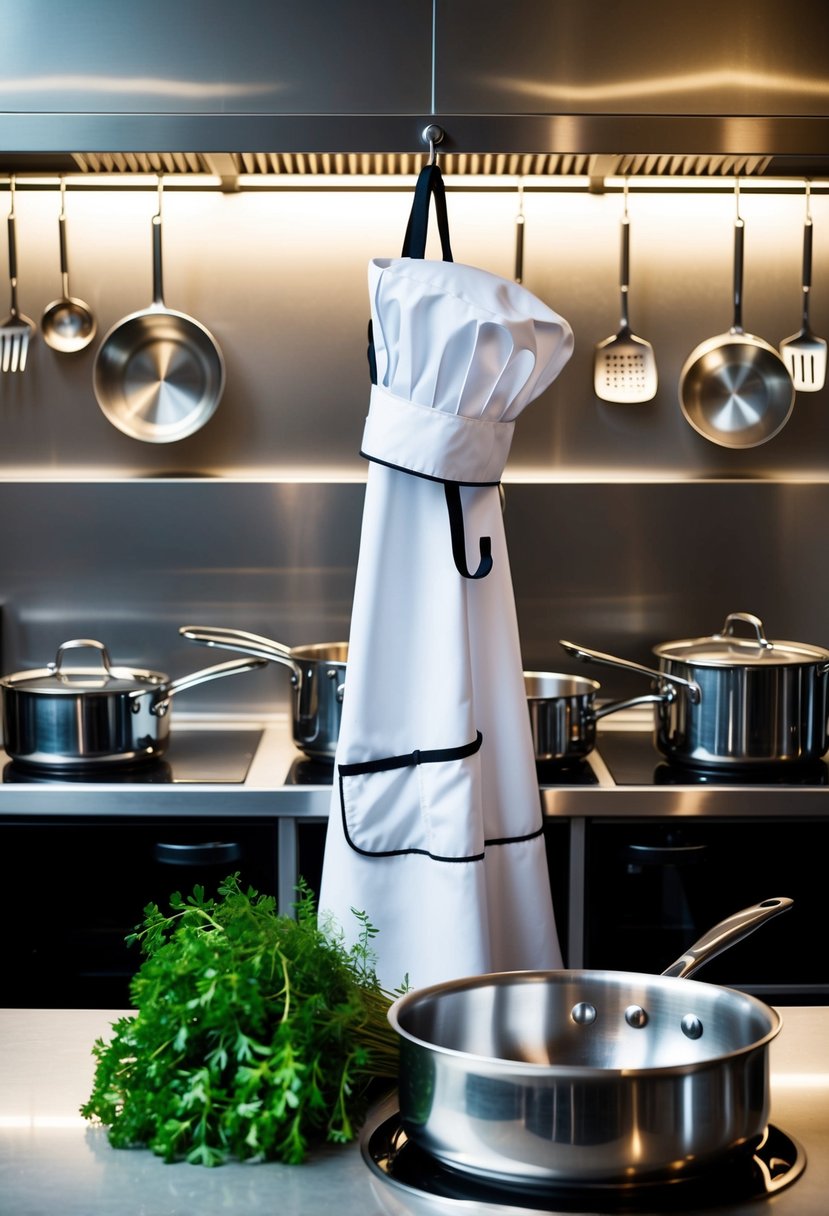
[[544, 1077], [734, 389], [158, 374]]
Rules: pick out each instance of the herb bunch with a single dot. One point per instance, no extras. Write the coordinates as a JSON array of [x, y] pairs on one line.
[[255, 1032]]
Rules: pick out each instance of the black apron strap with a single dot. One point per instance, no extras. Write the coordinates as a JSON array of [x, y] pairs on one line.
[[429, 185]]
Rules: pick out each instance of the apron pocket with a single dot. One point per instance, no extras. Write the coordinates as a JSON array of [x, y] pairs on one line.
[[423, 802]]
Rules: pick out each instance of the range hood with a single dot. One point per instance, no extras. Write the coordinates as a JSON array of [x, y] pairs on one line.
[[534, 87]]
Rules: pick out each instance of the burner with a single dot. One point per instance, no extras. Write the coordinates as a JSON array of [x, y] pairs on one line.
[[565, 772], [816, 773], [414, 1175], [305, 771]]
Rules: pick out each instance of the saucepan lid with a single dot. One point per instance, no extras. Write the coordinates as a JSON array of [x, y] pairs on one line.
[[727, 649]]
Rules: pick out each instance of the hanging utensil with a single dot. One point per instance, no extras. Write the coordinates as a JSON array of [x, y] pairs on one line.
[[803, 353], [734, 389], [16, 331], [67, 324], [624, 368], [159, 375], [519, 237]]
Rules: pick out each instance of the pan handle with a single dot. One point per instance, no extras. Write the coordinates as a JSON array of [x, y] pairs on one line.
[[231, 668], [597, 656], [242, 642], [729, 931]]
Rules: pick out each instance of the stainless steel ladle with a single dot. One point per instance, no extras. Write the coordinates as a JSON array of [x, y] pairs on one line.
[[67, 323]]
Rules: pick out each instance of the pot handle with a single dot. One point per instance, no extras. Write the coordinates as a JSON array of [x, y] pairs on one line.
[[115, 673], [581, 652], [651, 698], [231, 668], [729, 931], [242, 642], [747, 618]]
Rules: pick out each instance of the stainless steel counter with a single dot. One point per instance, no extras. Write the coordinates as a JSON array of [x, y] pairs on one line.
[[52, 1162]]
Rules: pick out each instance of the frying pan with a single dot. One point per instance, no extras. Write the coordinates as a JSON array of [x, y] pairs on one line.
[[545, 1077], [734, 389], [158, 374]]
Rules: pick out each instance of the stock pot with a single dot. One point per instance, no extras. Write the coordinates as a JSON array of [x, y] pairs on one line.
[[317, 678], [545, 1077], [735, 701], [66, 716]]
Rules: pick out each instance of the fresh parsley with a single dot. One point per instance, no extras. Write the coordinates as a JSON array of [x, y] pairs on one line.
[[255, 1033]]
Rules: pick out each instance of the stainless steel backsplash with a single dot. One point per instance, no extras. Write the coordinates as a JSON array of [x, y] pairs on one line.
[[625, 527]]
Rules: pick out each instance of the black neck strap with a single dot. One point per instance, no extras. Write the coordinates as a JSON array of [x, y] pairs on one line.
[[429, 185]]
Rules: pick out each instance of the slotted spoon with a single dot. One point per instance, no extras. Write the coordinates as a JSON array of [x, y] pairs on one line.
[[624, 365], [803, 353], [17, 329]]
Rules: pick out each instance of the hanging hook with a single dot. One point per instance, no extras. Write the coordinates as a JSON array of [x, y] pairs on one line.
[[11, 197], [808, 185], [433, 135], [738, 217], [625, 196]]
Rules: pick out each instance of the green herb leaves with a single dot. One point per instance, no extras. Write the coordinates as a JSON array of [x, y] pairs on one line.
[[255, 1033]]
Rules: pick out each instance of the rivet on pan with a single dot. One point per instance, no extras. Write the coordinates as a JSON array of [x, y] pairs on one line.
[[691, 1026], [583, 1013], [636, 1017]]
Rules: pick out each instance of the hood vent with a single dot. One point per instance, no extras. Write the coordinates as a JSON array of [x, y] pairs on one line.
[[463, 164]]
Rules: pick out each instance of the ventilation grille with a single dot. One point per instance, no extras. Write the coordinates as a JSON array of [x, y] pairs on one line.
[[371, 164]]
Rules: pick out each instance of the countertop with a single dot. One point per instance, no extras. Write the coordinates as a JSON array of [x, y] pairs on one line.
[[53, 1164]]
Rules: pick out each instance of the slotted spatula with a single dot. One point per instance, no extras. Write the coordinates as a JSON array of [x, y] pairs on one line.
[[624, 366], [803, 353], [16, 330]]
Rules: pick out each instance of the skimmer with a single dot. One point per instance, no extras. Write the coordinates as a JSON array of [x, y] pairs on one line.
[[803, 353], [624, 366]]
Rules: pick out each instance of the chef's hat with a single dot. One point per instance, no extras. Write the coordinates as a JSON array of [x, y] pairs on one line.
[[459, 353]]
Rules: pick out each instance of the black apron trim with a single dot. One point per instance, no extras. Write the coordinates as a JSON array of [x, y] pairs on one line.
[[431, 756], [387, 464]]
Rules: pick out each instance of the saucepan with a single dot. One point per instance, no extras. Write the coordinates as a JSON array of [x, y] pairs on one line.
[[63, 716], [317, 677], [563, 714], [544, 1077], [735, 701]]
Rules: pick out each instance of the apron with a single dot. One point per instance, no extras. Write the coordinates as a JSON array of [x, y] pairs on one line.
[[436, 830]]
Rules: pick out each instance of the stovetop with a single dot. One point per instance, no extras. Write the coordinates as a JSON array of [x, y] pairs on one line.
[[192, 757]]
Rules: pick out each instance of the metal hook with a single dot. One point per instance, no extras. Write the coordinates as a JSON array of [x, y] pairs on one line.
[[433, 135], [738, 217], [625, 195], [160, 190], [808, 185]]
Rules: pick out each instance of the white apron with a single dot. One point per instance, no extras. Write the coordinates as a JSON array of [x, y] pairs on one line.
[[435, 830]]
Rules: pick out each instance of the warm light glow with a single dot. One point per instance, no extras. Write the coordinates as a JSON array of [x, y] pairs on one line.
[[701, 83], [142, 85], [29, 1122]]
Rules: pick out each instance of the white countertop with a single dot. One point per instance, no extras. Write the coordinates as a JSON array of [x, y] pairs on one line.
[[54, 1164]]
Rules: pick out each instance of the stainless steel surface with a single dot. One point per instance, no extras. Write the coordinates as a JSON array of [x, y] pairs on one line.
[[503, 1076], [741, 702], [159, 375], [804, 353], [73, 717], [16, 330], [624, 368], [734, 389], [357, 82], [318, 680], [46, 1068], [67, 323]]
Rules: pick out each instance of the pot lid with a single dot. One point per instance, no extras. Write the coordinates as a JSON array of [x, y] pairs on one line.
[[725, 649], [58, 678]]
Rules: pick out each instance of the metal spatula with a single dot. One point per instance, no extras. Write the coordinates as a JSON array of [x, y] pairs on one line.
[[624, 366], [803, 353], [16, 330]]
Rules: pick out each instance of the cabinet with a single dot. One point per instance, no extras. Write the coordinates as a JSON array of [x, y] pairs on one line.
[[74, 888]]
